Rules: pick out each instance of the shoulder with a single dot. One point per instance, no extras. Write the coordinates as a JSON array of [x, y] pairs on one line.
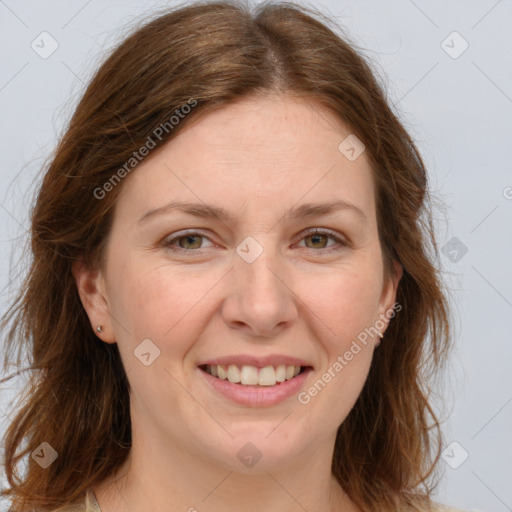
[[88, 504], [439, 507]]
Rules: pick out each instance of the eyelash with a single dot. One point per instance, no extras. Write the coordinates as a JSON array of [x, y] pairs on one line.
[[330, 234]]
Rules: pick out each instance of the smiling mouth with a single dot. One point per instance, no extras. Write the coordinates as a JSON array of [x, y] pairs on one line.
[[247, 375]]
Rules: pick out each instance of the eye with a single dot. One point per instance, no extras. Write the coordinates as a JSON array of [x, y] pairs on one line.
[[319, 239], [192, 241], [186, 241]]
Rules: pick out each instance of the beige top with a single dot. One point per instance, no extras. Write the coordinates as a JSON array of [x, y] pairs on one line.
[[91, 505]]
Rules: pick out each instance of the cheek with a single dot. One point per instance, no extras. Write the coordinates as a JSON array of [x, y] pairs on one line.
[[345, 301], [347, 308], [164, 303], [344, 307]]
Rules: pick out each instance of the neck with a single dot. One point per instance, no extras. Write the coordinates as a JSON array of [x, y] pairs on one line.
[[150, 481]]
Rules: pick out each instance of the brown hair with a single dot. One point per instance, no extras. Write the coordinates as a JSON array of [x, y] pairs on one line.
[[215, 53]]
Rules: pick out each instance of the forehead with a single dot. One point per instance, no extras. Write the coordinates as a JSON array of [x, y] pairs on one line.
[[259, 153]]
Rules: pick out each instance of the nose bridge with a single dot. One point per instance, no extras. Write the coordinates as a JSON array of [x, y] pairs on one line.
[[257, 268], [260, 298]]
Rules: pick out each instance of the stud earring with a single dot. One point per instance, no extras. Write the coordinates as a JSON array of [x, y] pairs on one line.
[[99, 328], [381, 335]]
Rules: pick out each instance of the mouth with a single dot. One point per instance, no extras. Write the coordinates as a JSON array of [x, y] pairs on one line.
[[254, 376]]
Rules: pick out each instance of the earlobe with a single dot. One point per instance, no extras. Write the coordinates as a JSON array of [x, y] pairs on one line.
[[92, 291]]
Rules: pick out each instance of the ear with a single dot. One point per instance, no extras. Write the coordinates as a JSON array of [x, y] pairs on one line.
[[388, 296], [92, 291]]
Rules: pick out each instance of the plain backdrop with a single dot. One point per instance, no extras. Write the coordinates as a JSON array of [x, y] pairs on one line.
[[447, 67]]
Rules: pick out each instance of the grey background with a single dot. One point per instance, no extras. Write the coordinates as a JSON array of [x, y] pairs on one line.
[[459, 111]]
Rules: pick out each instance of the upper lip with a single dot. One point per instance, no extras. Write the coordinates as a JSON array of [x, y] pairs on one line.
[[258, 361]]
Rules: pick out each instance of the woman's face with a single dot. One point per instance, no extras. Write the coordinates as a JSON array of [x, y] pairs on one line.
[[213, 260]]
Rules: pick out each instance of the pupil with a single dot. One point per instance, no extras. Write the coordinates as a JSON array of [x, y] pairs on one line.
[[315, 238], [189, 240]]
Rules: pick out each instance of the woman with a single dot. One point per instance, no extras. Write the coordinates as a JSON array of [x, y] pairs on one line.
[[232, 303]]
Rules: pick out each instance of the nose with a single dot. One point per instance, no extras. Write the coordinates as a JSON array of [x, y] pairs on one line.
[[260, 300]]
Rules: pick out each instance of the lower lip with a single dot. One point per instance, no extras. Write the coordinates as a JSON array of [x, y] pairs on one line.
[[257, 396]]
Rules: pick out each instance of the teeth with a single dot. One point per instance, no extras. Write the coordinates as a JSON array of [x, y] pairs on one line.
[[221, 373], [249, 375], [281, 373], [233, 373], [252, 376], [267, 376]]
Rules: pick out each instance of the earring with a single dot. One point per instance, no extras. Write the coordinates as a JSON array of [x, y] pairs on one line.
[[381, 335], [99, 328]]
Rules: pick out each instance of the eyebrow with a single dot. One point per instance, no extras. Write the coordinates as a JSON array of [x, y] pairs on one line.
[[202, 210]]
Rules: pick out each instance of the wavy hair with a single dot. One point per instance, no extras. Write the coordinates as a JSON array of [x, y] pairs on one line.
[[77, 398]]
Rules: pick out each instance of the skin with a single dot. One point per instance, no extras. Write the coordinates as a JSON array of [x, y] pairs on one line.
[[303, 296]]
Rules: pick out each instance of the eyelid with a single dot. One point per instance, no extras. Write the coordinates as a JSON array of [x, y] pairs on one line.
[[340, 239], [166, 242], [325, 231]]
